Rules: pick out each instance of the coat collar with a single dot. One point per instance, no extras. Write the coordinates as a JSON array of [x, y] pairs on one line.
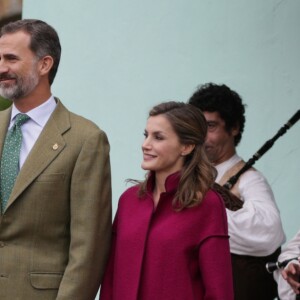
[[171, 183]]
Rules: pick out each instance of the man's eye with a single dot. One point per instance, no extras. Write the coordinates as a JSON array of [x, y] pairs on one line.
[[211, 126]]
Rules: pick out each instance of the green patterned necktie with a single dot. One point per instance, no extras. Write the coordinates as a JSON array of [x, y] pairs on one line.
[[10, 159]]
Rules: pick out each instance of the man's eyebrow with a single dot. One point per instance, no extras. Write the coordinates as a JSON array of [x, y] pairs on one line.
[[10, 56]]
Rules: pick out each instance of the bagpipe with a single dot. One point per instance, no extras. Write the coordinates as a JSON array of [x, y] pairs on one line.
[[231, 201], [273, 266], [250, 270]]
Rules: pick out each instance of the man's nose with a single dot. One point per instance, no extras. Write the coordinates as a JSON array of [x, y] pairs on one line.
[[3, 67]]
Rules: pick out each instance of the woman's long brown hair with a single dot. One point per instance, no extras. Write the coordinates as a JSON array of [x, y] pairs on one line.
[[197, 175]]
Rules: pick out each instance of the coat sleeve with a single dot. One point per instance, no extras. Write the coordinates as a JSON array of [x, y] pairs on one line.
[[214, 257], [90, 220], [215, 268], [106, 292]]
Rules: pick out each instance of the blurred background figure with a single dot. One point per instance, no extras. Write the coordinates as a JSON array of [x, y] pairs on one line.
[[255, 230], [288, 278]]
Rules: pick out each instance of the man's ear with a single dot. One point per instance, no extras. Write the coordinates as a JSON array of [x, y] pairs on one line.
[[187, 149], [235, 130], [45, 65]]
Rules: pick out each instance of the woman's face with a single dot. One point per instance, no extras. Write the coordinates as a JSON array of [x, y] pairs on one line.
[[162, 151]]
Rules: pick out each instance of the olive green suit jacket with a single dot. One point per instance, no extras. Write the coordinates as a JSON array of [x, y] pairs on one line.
[[55, 231]]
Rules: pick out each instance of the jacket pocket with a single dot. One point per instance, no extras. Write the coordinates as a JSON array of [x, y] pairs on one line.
[[56, 177], [43, 281]]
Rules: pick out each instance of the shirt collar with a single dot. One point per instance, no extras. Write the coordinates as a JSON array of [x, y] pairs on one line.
[[226, 165], [39, 114], [231, 161]]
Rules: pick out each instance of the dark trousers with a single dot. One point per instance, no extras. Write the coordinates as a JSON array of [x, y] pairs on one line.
[[251, 279]]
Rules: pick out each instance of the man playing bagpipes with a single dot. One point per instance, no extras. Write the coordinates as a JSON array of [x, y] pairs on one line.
[[255, 229]]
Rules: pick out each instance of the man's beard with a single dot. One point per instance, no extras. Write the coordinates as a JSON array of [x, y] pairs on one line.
[[210, 154], [20, 88]]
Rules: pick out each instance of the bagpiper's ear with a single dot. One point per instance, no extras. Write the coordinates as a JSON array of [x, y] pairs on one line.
[[235, 130]]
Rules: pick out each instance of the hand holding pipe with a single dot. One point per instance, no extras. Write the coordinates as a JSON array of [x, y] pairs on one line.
[[273, 266]]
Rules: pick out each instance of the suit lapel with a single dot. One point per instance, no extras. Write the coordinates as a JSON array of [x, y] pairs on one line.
[[4, 123], [47, 147]]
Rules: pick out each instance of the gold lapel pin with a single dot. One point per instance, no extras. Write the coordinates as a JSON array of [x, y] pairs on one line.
[[55, 146]]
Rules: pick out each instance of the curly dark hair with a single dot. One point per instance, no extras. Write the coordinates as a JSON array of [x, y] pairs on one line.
[[220, 98]]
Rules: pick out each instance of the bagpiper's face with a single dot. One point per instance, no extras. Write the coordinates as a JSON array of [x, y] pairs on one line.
[[219, 143]]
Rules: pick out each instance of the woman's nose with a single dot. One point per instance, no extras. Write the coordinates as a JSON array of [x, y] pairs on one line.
[[146, 143]]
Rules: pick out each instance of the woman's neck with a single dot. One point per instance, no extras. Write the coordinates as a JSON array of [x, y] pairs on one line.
[[159, 188]]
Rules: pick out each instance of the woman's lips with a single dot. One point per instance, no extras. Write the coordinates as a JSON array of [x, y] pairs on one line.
[[148, 156]]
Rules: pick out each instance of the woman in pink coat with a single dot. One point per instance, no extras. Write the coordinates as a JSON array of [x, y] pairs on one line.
[[170, 231]]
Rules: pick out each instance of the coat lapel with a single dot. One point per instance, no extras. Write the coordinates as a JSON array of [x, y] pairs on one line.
[[4, 123], [47, 147]]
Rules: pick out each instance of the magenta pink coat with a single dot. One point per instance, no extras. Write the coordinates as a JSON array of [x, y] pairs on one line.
[[163, 254]]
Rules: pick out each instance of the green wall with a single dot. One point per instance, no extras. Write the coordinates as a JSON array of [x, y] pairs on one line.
[[121, 57]]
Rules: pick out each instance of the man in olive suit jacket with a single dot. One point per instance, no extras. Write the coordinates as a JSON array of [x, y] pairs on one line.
[[55, 226]]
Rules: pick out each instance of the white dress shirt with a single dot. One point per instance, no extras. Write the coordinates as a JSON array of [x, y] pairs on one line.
[[34, 126], [256, 228], [291, 250]]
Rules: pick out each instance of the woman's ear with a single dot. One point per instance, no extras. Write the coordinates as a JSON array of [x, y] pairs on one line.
[[45, 65], [187, 149]]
